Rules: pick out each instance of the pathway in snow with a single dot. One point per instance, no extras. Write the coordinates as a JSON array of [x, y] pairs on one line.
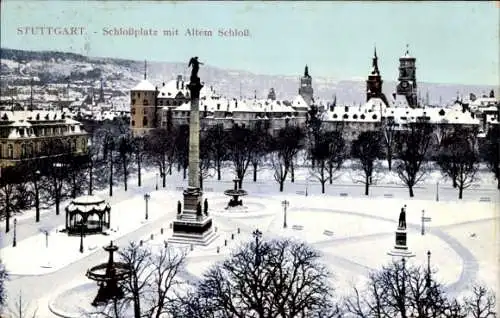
[[470, 266]]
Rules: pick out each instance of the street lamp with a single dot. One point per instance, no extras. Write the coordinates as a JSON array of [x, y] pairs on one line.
[[428, 283], [257, 234], [37, 197], [46, 239], [14, 242], [81, 236], [423, 226], [285, 204], [403, 291], [437, 191], [146, 198]]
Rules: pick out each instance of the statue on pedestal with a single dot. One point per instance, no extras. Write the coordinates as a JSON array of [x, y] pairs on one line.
[[402, 219]]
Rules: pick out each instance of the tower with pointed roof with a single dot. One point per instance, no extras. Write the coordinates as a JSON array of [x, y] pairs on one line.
[[407, 85], [305, 89], [374, 82], [143, 106]]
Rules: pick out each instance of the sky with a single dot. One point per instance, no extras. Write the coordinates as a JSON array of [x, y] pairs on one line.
[[454, 42]]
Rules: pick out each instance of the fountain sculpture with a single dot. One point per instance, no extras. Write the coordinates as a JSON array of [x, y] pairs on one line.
[[235, 193], [108, 276]]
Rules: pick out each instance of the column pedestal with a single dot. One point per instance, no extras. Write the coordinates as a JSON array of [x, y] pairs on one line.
[[401, 248]]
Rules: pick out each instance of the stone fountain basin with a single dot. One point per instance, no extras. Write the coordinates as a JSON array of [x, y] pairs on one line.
[[233, 192]]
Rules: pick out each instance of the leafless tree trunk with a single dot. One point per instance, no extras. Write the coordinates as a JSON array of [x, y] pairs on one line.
[[482, 303], [411, 148]]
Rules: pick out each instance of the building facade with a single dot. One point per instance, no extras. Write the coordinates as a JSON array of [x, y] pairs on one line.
[[27, 135]]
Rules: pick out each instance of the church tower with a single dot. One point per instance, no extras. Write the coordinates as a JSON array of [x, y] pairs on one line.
[[407, 79], [374, 82], [305, 89]]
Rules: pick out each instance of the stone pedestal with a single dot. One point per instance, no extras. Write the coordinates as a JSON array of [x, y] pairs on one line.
[[401, 247]]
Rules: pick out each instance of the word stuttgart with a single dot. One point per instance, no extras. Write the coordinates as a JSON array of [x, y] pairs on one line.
[[48, 30], [172, 32]]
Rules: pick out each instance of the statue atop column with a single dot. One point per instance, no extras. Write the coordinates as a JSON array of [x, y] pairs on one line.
[[196, 67]]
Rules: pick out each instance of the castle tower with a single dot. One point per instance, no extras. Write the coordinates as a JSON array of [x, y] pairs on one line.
[[407, 79], [143, 107], [305, 89]]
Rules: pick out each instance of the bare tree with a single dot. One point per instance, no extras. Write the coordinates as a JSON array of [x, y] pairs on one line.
[[491, 151], [389, 134], [160, 147], [217, 141], [411, 149], [11, 178], [261, 141], [182, 148], [321, 153], [165, 266], [277, 278], [482, 302], [109, 150], [399, 290], [206, 162], [240, 150], [138, 259], [76, 174], [285, 147], [138, 149], [125, 150], [367, 149], [459, 160], [20, 309], [337, 153], [150, 286]]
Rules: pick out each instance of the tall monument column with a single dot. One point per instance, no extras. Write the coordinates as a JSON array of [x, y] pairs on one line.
[[192, 225]]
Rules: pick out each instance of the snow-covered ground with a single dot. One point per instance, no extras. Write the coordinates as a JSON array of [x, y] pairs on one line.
[[462, 235]]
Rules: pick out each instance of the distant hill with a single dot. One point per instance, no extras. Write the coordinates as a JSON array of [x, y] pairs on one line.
[[51, 66]]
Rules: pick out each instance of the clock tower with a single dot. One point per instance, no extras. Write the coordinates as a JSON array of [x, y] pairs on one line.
[[407, 85]]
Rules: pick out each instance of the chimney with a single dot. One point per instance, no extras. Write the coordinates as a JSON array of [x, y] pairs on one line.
[[346, 109], [218, 106], [236, 103], [182, 84], [331, 107], [163, 84]]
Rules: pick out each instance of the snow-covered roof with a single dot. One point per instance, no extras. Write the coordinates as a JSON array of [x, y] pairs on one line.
[[172, 88], [299, 102], [399, 101], [432, 115], [235, 105], [353, 114], [88, 204], [144, 85]]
